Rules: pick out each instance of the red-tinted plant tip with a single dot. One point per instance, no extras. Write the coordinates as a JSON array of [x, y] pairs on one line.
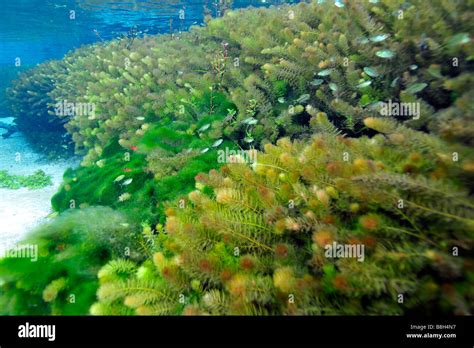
[[353, 241], [369, 241], [246, 263], [410, 168], [166, 272], [340, 283], [281, 250], [225, 170], [225, 275], [370, 222], [322, 238], [200, 178], [334, 168], [205, 265], [329, 219], [449, 290]]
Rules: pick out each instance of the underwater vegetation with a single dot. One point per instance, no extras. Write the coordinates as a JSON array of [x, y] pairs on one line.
[[270, 64], [71, 250], [30, 101], [302, 89], [34, 181], [251, 239], [139, 180]]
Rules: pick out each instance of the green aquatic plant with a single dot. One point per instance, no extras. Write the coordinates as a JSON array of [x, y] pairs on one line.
[[60, 276], [135, 176], [454, 123], [8, 74], [98, 184], [30, 102], [34, 181], [132, 89], [347, 59], [257, 239], [269, 63], [252, 237], [140, 180]]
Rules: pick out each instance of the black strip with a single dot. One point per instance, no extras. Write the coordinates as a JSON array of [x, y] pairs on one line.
[[289, 331]]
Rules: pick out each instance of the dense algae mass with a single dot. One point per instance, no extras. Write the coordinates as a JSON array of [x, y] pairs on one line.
[[37, 180], [71, 249], [301, 88]]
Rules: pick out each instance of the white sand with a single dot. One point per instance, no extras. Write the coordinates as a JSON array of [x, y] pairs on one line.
[[23, 209]]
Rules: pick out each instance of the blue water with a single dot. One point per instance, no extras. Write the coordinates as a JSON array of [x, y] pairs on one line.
[[33, 31]]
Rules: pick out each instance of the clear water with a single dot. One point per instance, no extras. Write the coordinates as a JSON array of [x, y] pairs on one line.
[[37, 30]]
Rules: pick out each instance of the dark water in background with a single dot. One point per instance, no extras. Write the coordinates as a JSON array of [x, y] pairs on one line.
[[38, 30]]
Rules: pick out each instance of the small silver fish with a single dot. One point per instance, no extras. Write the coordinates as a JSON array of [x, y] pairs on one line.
[[204, 128], [317, 82], [119, 178], [379, 38], [304, 98], [364, 84], [217, 143], [250, 121], [371, 72], [127, 182], [416, 87], [325, 72], [333, 87], [385, 54]]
